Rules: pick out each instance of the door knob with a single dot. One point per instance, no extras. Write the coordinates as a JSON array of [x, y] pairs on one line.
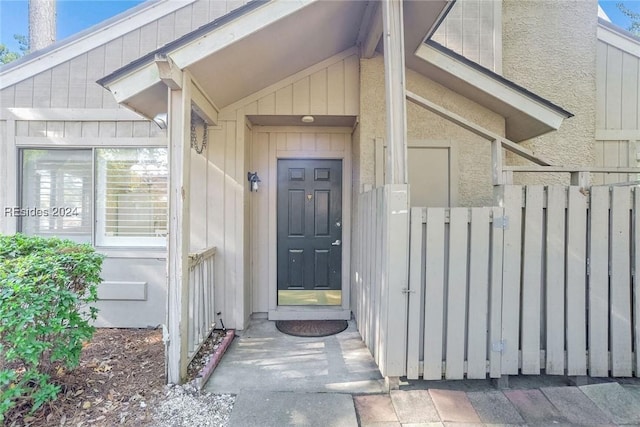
[[337, 243]]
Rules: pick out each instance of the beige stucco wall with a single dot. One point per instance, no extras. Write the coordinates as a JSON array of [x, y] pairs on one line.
[[474, 155], [550, 49]]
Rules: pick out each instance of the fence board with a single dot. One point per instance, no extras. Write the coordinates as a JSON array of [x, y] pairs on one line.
[[636, 281], [478, 293], [576, 302], [495, 307], [511, 279], [599, 282], [532, 280], [378, 261], [415, 296], [620, 317], [434, 294], [555, 279], [457, 293]]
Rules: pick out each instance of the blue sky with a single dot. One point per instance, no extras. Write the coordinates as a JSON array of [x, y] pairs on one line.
[[77, 15]]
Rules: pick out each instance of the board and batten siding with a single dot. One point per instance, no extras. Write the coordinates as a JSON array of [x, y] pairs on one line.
[[618, 112], [473, 29]]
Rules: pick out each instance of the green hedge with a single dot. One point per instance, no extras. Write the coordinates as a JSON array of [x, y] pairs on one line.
[[46, 288]]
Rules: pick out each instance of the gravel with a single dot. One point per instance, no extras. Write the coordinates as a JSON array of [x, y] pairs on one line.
[[184, 406]]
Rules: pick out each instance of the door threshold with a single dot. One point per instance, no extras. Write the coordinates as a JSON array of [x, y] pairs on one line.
[[309, 313]]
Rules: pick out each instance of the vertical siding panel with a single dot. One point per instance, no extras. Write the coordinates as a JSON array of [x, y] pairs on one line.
[[37, 128], [478, 293], [636, 280], [555, 279], [22, 128], [511, 279], [598, 178], [182, 23], [284, 100], [217, 9], [335, 88], [24, 93], [200, 13], [614, 88], [8, 96], [323, 141], [130, 46], [301, 96], [620, 316], [601, 85], [415, 295], [42, 90], [280, 141], [230, 218], [107, 129], [611, 158], [293, 141], [72, 129], [495, 308], [267, 104], [308, 141], [112, 61], [576, 302], [457, 292], [532, 280], [95, 70], [90, 129], [144, 129], [318, 92], [352, 85], [338, 141], [165, 29], [149, 37], [125, 130], [629, 119], [55, 129], [251, 109], [599, 282], [434, 301]]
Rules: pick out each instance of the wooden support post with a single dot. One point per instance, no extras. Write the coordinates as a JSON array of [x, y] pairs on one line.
[[394, 77], [179, 233], [583, 179]]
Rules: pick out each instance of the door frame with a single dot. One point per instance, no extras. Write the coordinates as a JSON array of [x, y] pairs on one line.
[[342, 311]]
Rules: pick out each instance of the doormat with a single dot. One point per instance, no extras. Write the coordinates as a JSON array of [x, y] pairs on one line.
[[311, 328]]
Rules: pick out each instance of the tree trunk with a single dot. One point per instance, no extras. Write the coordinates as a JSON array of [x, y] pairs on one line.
[[42, 24]]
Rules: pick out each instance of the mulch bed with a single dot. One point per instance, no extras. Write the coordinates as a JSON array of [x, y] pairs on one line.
[[120, 381]]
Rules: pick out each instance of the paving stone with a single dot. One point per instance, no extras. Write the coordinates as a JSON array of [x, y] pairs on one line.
[[575, 406], [634, 390], [534, 407], [437, 424], [280, 409], [493, 407], [382, 424], [619, 404], [375, 408], [454, 406], [414, 406]]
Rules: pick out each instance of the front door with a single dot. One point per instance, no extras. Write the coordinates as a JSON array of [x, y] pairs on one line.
[[309, 232]]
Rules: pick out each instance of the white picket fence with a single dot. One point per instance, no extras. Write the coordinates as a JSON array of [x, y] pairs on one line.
[[546, 281]]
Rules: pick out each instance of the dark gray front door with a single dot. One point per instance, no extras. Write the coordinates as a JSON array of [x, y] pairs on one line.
[[309, 232]]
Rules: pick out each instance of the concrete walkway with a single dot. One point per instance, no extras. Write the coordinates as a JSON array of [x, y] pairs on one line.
[[282, 380]]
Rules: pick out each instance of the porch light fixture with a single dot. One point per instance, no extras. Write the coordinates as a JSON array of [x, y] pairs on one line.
[[253, 179], [308, 119], [161, 120]]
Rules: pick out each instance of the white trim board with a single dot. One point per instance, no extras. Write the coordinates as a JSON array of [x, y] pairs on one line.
[[88, 142], [71, 114], [618, 40], [94, 38]]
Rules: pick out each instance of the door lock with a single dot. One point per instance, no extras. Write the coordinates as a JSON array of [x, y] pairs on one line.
[[337, 243]]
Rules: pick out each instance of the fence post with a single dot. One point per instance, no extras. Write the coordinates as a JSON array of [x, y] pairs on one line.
[[395, 281]]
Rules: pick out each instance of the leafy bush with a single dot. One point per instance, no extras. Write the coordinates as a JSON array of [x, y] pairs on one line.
[[46, 288]]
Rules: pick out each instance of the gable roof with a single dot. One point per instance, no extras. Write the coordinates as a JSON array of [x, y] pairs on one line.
[[89, 39], [618, 37]]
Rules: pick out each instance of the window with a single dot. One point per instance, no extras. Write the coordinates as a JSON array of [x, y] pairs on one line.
[[128, 187], [56, 194], [131, 200]]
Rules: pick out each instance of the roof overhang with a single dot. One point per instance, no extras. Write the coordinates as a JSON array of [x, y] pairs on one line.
[[264, 42], [526, 114], [618, 37]]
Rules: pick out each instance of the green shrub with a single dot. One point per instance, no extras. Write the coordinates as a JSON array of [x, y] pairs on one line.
[[46, 288]]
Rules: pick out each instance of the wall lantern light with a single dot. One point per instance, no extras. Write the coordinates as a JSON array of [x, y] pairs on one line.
[[253, 179]]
